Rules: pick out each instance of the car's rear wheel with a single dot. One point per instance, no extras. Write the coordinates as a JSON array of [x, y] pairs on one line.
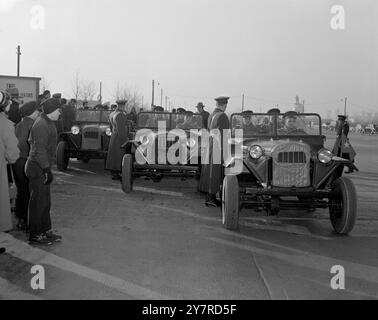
[[343, 208], [230, 203], [127, 173], [62, 158]]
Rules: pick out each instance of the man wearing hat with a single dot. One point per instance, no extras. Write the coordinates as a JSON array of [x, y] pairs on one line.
[[217, 121], [290, 128], [29, 113], [248, 127], [342, 147], [205, 115], [188, 123], [42, 141], [274, 111], [179, 119], [153, 120], [120, 134]]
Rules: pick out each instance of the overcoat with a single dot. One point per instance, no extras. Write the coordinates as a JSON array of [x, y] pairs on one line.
[[212, 173], [9, 153], [119, 125]]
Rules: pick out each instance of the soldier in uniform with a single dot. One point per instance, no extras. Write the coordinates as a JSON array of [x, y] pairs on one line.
[[248, 127], [217, 120], [290, 127], [29, 112], [120, 134], [189, 122], [342, 147], [42, 141], [153, 120], [205, 115]]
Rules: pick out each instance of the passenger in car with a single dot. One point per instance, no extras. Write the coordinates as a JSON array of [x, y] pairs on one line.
[[189, 122], [291, 128], [248, 127]]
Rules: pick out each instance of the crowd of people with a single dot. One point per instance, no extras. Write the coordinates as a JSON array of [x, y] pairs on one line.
[[27, 154]]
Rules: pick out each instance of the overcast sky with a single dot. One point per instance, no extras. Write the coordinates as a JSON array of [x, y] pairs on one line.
[[270, 50]]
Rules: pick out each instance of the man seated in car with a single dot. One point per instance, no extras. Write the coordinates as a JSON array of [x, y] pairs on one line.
[[189, 122], [291, 127], [248, 127], [154, 119]]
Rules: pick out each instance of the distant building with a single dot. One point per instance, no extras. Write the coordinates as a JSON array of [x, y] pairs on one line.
[[299, 107]]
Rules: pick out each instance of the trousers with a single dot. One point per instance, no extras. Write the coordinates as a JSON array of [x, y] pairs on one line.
[[40, 200]]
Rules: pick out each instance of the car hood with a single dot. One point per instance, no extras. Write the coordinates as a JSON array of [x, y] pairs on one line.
[[269, 144]]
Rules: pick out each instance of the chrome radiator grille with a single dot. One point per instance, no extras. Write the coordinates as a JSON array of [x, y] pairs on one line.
[[91, 139], [291, 165]]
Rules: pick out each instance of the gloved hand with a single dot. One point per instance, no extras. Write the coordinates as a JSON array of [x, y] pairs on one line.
[[49, 178]]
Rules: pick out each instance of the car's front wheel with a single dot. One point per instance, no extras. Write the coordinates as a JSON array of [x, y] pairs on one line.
[[127, 173], [343, 208], [62, 158], [230, 203]]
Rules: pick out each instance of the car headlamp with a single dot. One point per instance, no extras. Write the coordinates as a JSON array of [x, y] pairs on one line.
[[144, 140], [256, 152], [108, 132], [75, 130], [191, 143], [325, 156]]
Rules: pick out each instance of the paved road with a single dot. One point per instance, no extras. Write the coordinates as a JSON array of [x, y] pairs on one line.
[[161, 242]]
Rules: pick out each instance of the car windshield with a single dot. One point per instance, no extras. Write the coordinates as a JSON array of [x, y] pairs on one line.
[[92, 116], [152, 119], [300, 124], [186, 122], [253, 125], [263, 124]]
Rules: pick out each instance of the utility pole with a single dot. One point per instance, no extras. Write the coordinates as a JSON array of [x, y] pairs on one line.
[[345, 106], [18, 60], [161, 97], [100, 96], [166, 103], [243, 103], [153, 94]]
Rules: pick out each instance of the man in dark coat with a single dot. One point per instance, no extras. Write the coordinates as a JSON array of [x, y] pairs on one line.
[[29, 112], [120, 134], [342, 147], [205, 115], [217, 121], [42, 141]]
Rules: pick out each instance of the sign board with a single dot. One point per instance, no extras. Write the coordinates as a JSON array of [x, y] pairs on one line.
[[28, 87]]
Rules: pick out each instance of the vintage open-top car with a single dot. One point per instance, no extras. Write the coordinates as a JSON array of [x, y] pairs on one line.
[[147, 152], [88, 139], [285, 165]]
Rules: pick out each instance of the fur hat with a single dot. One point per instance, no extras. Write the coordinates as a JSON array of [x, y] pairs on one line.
[[50, 105], [28, 108]]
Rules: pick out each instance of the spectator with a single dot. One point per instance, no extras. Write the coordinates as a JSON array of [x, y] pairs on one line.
[[9, 153], [42, 140], [29, 113]]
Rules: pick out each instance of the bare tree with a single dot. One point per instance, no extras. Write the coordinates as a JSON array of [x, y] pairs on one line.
[[88, 90], [76, 86], [132, 95]]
